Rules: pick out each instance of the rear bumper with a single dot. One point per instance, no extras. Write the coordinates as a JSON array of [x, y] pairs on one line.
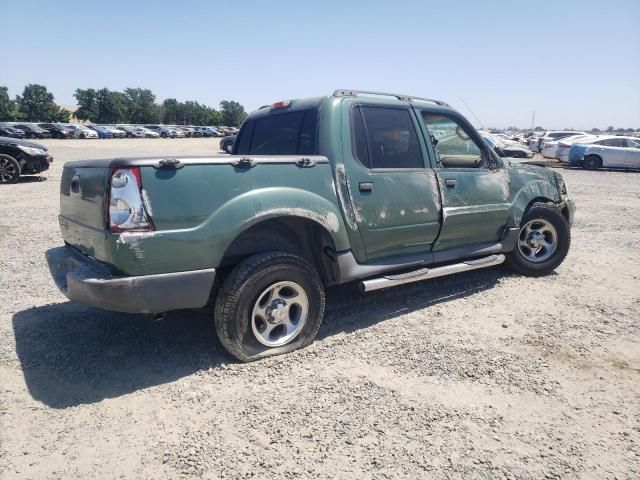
[[85, 280]]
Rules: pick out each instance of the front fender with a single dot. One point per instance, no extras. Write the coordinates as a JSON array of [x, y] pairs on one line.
[[529, 183]]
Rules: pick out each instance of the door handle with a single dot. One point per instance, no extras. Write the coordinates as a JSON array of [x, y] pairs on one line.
[[451, 182], [366, 186]]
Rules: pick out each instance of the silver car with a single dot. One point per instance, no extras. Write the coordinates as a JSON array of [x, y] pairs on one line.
[[612, 152]]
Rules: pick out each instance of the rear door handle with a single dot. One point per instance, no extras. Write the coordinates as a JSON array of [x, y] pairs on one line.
[[366, 186], [451, 182]]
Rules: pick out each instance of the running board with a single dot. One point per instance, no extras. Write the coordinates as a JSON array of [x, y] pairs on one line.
[[427, 273]]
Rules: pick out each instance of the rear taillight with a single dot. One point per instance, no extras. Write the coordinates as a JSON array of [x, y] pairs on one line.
[[126, 209]]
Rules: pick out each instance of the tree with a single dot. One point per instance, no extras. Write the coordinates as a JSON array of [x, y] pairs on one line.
[[87, 104], [8, 108], [36, 103], [595, 130], [538, 129], [110, 106], [58, 114], [170, 111], [140, 106], [610, 129], [233, 113]]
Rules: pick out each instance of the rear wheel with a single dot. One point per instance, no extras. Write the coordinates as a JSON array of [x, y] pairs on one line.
[[592, 162], [271, 303], [163, 135], [9, 169], [543, 241]]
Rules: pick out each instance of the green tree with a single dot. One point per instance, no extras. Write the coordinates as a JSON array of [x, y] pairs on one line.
[[58, 114], [87, 104], [140, 106], [170, 111], [595, 130], [110, 106], [233, 113], [8, 108], [36, 103], [214, 117], [610, 129]]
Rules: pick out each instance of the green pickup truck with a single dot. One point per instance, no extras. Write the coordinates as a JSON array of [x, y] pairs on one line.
[[383, 189]]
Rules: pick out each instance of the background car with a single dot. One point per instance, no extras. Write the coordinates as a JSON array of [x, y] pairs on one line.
[[57, 131], [81, 131], [18, 157], [32, 131], [564, 145], [102, 132], [162, 130], [9, 131], [607, 152], [553, 136], [509, 147], [117, 133], [226, 144]]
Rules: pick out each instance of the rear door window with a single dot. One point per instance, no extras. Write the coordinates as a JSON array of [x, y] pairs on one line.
[[291, 133], [385, 138]]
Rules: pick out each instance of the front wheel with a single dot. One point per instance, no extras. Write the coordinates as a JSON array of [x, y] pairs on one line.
[[592, 162], [271, 303], [9, 169], [543, 241], [228, 147]]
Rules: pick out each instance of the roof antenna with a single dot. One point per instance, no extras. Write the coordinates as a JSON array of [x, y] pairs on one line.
[[476, 117]]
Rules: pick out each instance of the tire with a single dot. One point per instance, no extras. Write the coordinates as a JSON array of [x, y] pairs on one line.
[[82, 136], [228, 147], [163, 135], [9, 169], [256, 285], [592, 162], [541, 226]]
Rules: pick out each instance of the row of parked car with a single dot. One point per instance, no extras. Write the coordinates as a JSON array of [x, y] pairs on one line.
[[62, 130], [588, 150]]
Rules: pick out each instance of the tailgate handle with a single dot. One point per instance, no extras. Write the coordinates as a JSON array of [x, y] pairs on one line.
[[451, 182], [366, 186], [75, 184]]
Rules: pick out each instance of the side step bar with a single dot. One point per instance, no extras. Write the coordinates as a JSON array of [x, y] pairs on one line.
[[426, 273]]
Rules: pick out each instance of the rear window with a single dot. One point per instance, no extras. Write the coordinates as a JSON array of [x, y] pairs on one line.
[[290, 133]]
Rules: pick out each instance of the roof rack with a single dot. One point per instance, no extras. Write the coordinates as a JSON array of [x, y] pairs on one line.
[[399, 96]]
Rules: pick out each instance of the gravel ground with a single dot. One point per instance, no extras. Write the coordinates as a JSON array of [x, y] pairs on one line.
[[481, 375]]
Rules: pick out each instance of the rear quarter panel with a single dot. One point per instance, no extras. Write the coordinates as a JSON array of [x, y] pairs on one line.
[[199, 210]]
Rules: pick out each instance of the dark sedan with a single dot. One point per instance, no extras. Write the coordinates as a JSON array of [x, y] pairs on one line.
[[18, 157], [32, 131], [57, 131], [9, 131]]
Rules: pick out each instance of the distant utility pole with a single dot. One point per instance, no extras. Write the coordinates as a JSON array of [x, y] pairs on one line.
[[533, 119]]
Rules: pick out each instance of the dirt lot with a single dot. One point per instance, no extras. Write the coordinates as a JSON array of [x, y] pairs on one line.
[[481, 375]]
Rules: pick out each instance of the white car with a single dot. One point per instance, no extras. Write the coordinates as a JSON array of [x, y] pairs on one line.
[[80, 131], [564, 145], [550, 147], [609, 152], [552, 136]]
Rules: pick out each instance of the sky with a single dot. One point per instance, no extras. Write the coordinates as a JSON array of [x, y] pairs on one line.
[[576, 63]]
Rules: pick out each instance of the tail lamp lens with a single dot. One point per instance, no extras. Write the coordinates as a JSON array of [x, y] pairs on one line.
[[127, 211]]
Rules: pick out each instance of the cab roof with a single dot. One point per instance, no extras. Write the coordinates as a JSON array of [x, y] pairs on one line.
[[381, 97]]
